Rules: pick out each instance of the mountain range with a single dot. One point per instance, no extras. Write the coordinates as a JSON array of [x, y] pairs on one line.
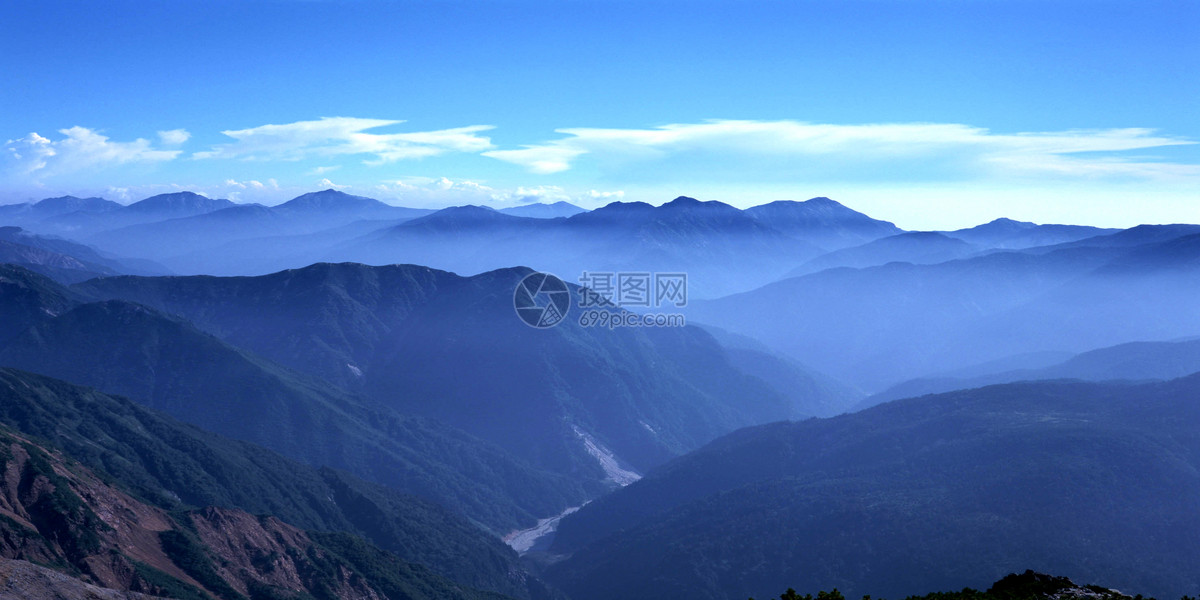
[[166, 363], [337, 397], [57, 513], [880, 325], [1095, 481], [430, 343], [174, 467]]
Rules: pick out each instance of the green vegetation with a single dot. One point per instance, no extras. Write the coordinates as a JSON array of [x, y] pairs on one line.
[[167, 364], [383, 571], [156, 583], [1096, 480], [176, 466], [59, 514], [430, 343], [189, 555]]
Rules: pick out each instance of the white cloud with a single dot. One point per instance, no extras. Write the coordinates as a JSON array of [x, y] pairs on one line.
[[527, 195], [337, 136], [324, 170], [550, 158], [250, 183], [971, 148], [614, 195], [118, 193], [326, 184], [174, 137], [80, 148]]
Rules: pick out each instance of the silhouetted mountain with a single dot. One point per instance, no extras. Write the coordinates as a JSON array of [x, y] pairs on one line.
[[431, 343], [175, 466], [82, 224], [212, 236], [823, 222], [167, 237], [539, 210], [723, 249], [1008, 234], [177, 204], [62, 515], [1135, 361], [916, 247], [1029, 585], [720, 247], [811, 394], [167, 364], [878, 326], [1095, 481], [332, 201], [63, 260], [28, 298], [273, 253], [29, 214], [1134, 236], [51, 207]]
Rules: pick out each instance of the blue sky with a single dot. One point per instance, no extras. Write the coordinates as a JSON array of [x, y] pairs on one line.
[[929, 114]]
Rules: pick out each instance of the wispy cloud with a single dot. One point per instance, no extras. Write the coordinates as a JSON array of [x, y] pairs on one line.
[[339, 136], [174, 137], [743, 142], [79, 149]]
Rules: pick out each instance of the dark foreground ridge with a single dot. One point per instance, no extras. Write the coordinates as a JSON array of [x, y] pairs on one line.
[[1029, 585]]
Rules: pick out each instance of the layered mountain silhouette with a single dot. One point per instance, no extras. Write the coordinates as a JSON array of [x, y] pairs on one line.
[[173, 466], [166, 363], [1095, 481], [823, 222], [917, 247], [63, 515], [878, 326], [721, 247], [431, 343], [541, 210], [1134, 361], [724, 248], [390, 416], [200, 231], [64, 260], [1008, 234]]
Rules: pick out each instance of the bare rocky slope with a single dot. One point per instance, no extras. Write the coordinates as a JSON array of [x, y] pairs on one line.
[[56, 513]]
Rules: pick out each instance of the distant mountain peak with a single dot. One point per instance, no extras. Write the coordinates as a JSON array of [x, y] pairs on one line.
[[469, 213], [689, 203], [540, 210], [621, 205], [469, 209], [1005, 224], [823, 221], [179, 202], [330, 199], [821, 200], [66, 204]]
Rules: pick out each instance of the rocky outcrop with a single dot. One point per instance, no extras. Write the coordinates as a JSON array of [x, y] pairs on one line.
[[100, 542], [21, 579]]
